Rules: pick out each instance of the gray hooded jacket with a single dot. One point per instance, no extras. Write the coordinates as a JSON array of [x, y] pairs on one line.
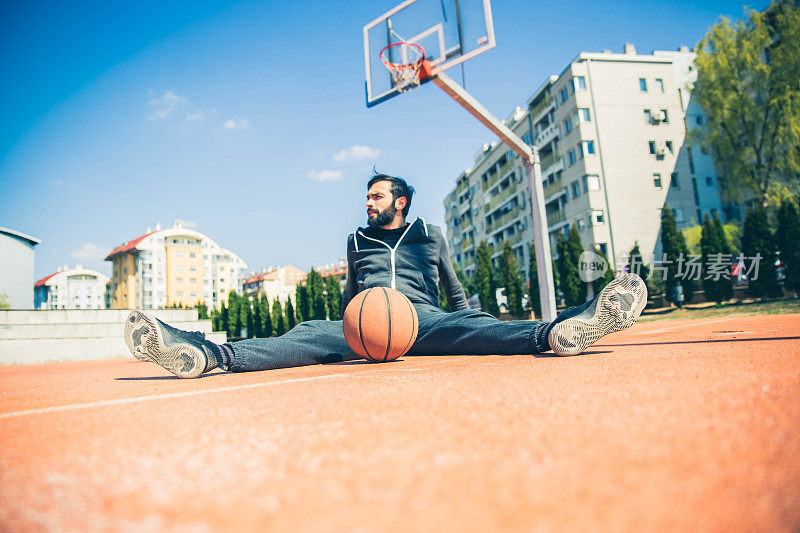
[[415, 266]]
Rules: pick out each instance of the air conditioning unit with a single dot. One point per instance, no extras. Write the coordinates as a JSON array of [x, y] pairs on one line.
[[659, 116]]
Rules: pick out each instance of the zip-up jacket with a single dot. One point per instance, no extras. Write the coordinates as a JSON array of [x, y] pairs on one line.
[[414, 266]]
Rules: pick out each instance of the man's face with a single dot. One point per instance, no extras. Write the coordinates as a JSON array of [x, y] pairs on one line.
[[380, 204]]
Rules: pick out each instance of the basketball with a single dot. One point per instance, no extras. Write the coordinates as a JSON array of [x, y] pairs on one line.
[[380, 324]]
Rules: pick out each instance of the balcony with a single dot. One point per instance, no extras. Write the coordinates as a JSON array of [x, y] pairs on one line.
[[465, 224], [554, 188], [548, 160], [502, 196], [499, 174], [555, 217], [462, 184], [503, 220], [542, 106], [466, 243], [547, 135]]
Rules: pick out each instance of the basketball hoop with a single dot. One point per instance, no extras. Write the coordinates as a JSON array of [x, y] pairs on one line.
[[412, 66]]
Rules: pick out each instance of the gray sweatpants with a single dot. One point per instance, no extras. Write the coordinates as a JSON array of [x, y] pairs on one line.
[[466, 332]]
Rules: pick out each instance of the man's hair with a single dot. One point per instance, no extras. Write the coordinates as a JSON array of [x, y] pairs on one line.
[[399, 188]]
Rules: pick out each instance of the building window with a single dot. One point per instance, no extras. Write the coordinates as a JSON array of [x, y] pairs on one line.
[[669, 147], [710, 181], [178, 268], [178, 254], [664, 116], [571, 157], [698, 120], [580, 223], [678, 211], [180, 293], [579, 150], [652, 145], [179, 280], [648, 116], [588, 147], [657, 181], [643, 85], [660, 85], [584, 115], [564, 94], [193, 281], [597, 217], [192, 255], [576, 189], [591, 183], [674, 180], [568, 124], [580, 83]]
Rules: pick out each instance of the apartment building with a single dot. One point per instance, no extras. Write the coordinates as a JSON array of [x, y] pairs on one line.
[[277, 282], [172, 266], [610, 130], [71, 288]]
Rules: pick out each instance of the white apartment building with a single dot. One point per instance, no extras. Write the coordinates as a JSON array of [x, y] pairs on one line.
[[610, 130], [277, 282], [71, 288], [171, 266]]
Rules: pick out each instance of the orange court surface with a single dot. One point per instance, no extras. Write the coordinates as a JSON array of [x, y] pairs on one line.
[[671, 425]]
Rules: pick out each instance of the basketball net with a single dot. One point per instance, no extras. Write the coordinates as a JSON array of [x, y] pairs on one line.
[[410, 66]]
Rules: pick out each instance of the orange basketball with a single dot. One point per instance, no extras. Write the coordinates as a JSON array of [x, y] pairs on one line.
[[380, 324]]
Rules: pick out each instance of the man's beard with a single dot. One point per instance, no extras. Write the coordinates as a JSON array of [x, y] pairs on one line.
[[383, 218]]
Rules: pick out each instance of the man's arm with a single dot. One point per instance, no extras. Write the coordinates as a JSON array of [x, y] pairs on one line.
[[453, 291], [352, 287]]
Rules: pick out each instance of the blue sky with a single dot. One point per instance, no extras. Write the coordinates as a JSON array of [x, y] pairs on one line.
[[240, 118]]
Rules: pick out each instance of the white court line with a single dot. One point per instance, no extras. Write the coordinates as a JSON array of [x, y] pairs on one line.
[[679, 327], [121, 401]]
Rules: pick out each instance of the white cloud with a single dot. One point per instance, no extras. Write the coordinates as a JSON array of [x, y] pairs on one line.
[[356, 152], [162, 107], [198, 116], [186, 223], [90, 252], [239, 124], [325, 175]]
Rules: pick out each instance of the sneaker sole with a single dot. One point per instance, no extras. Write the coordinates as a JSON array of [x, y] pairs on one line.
[[146, 343], [619, 306]]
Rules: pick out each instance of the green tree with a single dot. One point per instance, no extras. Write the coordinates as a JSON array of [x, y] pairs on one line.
[[4, 303], [234, 323], [291, 319], [223, 318], [787, 237], [202, 311], [333, 293], [244, 316], [486, 280], [316, 291], [607, 277], [715, 257], [467, 283], [266, 316], [758, 242], [303, 300], [511, 280], [278, 318], [636, 264], [256, 318], [676, 254], [748, 84], [569, 252], [533, 283]]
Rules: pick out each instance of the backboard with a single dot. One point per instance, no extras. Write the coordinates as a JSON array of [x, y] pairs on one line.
[[450, 31]]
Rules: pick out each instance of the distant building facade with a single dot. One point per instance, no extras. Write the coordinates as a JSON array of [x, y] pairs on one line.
[[173, 266], [16, 268], [278, 282], [610, 130], [71, 288]]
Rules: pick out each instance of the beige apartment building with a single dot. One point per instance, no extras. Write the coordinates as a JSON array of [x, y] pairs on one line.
[[172, 266], [275, 282], [610, 130]]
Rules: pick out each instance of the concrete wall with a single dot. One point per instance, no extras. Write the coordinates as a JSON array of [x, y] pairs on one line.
[[71, 335]]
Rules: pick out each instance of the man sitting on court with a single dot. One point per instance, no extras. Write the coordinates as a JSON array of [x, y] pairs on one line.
[[412, 258]]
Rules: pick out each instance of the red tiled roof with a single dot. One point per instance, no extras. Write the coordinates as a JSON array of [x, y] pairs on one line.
[[44, 279], [130, 245]]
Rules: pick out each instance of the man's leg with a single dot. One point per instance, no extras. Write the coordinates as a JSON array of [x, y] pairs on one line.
[[308, 343]]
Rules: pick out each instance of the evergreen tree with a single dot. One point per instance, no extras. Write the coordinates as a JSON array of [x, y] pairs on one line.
[[676, 253], [256, 318], [234, 326], [443, 299], [569, 252], [202, 311], [511, 280], [712, 243], [533, 284], [608, 275], [303, 301], [636, 266], [291, 320], [277, 318], [486, 280], [333, 292], [758, 239], [223, 318], [467, 283], [266, 316], [788, 241], [244, 315], [316, 291]]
